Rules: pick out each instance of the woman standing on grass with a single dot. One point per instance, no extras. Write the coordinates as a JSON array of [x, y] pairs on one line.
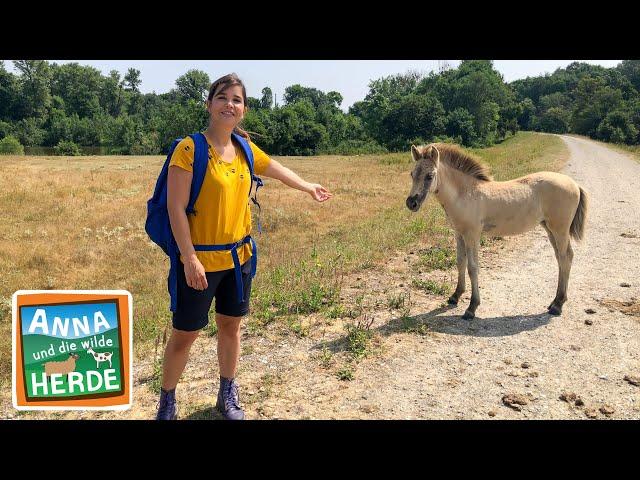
[[223, 217]]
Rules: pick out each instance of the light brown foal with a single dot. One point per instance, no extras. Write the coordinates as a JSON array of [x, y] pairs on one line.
[[474, 203]]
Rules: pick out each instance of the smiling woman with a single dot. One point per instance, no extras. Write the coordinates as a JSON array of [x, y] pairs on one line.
[[217, 252]]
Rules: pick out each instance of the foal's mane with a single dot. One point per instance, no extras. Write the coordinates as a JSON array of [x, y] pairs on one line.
[[460, 160]]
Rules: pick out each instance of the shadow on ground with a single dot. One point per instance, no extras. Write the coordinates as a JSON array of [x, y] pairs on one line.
[[435, 322]]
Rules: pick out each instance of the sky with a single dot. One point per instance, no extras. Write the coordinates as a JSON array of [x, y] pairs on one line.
[[348, 77]]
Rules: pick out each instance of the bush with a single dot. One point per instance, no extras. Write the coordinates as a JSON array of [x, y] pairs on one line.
[[554, 120], [617, 127], [149, 144], [11, 146], [67, 148], [5, 129]]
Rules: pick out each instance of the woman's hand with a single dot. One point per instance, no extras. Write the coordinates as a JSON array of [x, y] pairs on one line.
[[318, 192], [194, 273]]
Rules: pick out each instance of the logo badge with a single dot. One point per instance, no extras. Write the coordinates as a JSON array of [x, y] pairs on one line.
[[72, 349]]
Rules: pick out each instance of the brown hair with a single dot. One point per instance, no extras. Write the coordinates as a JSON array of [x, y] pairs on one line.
[[222, 84]]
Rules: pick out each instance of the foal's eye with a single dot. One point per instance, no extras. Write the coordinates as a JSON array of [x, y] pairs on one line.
[[430, 176]]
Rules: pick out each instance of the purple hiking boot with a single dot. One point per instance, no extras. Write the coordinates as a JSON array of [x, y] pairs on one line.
[[228, 400], [167, 406]]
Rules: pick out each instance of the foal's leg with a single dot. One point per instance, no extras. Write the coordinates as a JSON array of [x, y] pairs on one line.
[[461, 260], [555, 250], [565, 258], [472, 245]]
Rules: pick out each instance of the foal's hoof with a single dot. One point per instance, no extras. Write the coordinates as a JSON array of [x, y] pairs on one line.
[[555, 310], [452, 300], [468, 315]]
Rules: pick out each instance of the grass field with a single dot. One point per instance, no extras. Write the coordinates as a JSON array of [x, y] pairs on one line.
[[78, 223]]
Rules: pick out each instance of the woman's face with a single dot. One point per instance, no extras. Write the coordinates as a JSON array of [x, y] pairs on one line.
[[227, 106]]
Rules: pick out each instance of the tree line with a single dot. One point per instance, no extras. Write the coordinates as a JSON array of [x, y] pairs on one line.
[[70, 105]]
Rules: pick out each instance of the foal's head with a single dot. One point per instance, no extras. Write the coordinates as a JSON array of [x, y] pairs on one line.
[[424, 174]]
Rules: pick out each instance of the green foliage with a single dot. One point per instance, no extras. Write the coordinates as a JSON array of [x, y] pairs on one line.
[[358, 340], [618, 127], [11, 146], [438, 258], [67, 148], [44, 104], [132, 80], [345, 373], [553, 120], [193, 85], [585, 99], [431, 286], [30, 132]]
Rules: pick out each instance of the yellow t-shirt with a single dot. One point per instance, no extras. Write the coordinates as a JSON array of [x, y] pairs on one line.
[[222, 208]]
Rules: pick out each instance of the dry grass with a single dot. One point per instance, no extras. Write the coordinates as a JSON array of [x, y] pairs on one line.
[[78, 223]]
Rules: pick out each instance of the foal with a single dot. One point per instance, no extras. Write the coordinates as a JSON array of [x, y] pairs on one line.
[[474, 204]]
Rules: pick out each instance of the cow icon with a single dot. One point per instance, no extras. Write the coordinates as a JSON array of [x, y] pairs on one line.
[[100, 357]]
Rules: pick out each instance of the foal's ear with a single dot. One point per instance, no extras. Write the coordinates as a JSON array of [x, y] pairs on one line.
[[415, 153], [432, 153]]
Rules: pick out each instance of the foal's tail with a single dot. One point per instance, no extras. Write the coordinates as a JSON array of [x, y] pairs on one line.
[[579, 219]]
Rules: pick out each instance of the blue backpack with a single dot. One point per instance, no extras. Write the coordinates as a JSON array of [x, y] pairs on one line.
[[158, 226]]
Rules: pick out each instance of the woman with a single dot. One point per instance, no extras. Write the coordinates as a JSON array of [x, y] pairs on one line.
[[222, 217]]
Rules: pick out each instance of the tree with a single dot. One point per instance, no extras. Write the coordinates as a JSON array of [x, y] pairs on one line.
[[617, 127], [8, 93], [527, 113], [460, 126], [111, 94], [267, 98], [335, 98], [79, 87], [34, 92], [593, 101], [414, 118], [553, 120], [253, 103], [631, 70], [132, 80], [30, 132], [193, 85]]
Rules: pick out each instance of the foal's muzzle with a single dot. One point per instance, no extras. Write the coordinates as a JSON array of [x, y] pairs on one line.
[[412, 203]]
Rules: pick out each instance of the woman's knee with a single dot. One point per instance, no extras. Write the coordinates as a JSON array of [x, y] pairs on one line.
[[228, 326], [181, 339]]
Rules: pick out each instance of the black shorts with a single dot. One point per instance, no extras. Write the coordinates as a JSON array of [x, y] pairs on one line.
[[192, 312]]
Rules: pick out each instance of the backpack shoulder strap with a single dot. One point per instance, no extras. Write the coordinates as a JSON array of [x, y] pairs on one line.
[[248, 153], [246, 148], [200, 161]]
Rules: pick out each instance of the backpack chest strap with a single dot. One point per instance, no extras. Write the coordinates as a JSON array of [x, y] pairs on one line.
[[233, 247]]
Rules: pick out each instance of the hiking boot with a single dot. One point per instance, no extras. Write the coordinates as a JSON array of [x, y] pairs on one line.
[[228, 400], [167, 406]]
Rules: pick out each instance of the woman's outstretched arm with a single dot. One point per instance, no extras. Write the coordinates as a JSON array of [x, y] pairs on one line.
[[290, 178]]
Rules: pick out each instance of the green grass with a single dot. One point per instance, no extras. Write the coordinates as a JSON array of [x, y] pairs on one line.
[[326, 358], [437, 258], [345, 373], [394, 302], [359, 338], [431, 286]]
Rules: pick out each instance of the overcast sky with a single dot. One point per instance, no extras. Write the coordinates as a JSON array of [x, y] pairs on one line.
[[349, 77]]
